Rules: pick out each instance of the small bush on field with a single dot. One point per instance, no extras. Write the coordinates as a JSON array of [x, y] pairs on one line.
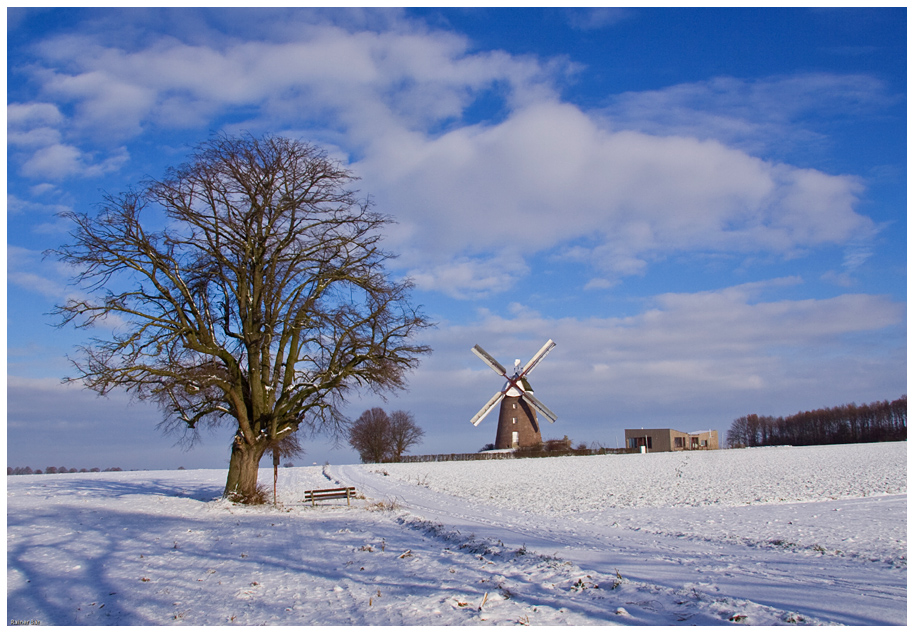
[[261, 495], [384, 505]]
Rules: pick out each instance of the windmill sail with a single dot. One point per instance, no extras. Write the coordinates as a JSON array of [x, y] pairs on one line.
[[537, 358], [487, 408], [489, 360], [540, 407]]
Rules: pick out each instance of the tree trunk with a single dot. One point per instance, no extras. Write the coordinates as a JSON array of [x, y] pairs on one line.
[[241, 484]]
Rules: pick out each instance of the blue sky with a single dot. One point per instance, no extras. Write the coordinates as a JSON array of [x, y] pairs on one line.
[[705, 209]]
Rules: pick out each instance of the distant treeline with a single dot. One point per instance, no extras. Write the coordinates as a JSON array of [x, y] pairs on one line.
[[881, 421], [28, 470]]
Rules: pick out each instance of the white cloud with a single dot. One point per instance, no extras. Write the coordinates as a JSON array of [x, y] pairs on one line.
[[595, 18], [17, 205], [549, 174], [36, 136], [418, 76], [53, 161], [37, 284], [105, 103], [771, 114], [26, 270], [729, 328], [545, 175], [39, 137], [58, 161], [21, 115], [464, 278]]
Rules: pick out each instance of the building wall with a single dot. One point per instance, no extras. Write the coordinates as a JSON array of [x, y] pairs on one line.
[[653, 439], [704, 439]]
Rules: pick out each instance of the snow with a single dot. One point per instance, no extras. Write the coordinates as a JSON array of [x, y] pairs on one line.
[[807, 535]]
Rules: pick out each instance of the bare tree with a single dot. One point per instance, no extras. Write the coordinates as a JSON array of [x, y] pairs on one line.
[[737, 435], [247, 288], [370, 435], [404, 433], [382, 438]]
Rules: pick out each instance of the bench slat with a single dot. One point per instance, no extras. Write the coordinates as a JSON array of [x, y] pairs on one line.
[[330, 494], [341, 490]]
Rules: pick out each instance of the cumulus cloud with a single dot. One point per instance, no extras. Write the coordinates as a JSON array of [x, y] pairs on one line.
[[60, 160], [53, 161], [30, 114], [33, 124], [549, 174], [465, 278], [542, 175], [419, 76], [35, 135]]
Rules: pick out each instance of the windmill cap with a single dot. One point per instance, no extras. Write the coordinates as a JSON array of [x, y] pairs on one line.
[[524, 384]]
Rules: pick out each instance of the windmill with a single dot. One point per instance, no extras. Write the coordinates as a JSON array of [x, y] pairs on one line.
[[518, 414]]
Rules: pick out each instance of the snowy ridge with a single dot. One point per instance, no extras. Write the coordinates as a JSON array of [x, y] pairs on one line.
[[543, 542]]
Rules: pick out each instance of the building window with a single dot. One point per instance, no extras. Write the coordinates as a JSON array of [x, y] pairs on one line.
[[514, 420], [641, 441], [678, 442]]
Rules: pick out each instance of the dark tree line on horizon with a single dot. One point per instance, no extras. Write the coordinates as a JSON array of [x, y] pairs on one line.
[[52, 470], [880, 421]]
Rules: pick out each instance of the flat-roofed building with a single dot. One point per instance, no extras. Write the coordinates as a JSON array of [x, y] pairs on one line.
[[654, 440]]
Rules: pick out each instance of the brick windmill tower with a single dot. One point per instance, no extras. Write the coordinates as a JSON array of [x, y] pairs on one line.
[[518, 426]]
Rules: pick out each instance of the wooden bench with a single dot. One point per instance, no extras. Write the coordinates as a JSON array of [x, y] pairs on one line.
[[330, 494]]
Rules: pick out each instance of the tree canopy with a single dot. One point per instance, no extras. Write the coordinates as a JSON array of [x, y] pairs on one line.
[[248, 287], [379, 437]]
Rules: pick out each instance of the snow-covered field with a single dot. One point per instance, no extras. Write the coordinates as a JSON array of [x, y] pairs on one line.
[[812, 535]]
